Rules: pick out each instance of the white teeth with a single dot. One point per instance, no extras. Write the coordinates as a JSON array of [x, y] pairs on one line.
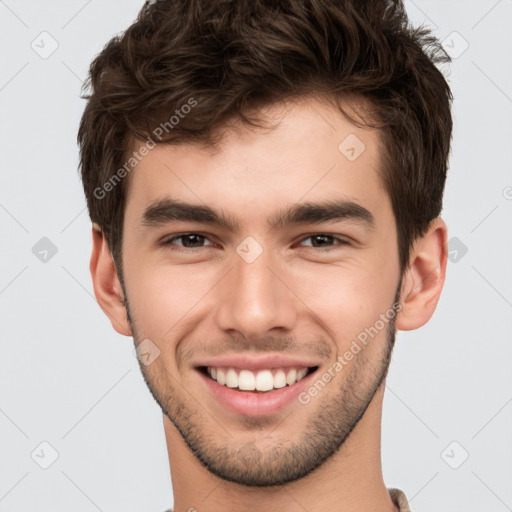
[[246, 380], [301, 373], [291, 376], [262, 380], [231, 378], [280, 379], [221, 376]]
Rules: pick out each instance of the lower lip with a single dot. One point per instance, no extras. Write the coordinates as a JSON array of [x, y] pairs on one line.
[[255, 404]]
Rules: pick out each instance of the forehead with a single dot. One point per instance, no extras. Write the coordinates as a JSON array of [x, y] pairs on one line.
[[310, 152]]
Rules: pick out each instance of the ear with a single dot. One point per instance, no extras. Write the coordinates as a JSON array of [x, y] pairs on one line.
[[107, 288], [424, 279]]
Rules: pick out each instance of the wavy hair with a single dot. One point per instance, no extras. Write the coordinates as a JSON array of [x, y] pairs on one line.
[[233, 56]]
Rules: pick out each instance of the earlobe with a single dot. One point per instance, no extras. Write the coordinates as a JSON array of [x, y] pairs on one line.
[[424, 279], [107, 288]]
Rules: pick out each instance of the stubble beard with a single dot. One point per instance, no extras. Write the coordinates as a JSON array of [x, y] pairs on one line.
[[332, 418]]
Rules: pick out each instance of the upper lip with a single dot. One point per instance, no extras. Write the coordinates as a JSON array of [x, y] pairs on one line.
[[264, 362]]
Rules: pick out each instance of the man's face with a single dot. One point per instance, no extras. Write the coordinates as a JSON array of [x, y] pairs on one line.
[[264, 301]]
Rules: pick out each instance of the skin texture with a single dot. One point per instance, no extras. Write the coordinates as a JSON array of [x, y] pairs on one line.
[[293, 299]]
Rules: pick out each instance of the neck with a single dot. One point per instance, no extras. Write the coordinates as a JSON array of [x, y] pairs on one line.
[[350, 481]]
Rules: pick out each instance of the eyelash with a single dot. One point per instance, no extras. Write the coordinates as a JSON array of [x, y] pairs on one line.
[[169, 242]]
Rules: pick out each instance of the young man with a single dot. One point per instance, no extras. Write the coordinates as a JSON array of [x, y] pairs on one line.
[[265, 181]]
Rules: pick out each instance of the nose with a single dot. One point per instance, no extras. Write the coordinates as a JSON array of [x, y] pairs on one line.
[[256, 298]]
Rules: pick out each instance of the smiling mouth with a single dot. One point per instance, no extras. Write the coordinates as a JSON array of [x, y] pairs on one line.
[[258, 381]]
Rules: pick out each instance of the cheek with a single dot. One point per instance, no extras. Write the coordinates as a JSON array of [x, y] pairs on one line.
[[164, 297], [347, 297]]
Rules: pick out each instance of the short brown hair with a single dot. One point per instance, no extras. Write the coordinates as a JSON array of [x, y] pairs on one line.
[[226, 58]]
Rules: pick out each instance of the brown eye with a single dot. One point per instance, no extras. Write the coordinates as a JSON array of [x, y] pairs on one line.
[[189, 240], [321, 241]]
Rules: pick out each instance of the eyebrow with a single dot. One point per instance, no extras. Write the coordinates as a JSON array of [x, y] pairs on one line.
[[167, 210]]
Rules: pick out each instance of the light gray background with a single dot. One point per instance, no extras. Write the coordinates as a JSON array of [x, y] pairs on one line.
[[69, 379]]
